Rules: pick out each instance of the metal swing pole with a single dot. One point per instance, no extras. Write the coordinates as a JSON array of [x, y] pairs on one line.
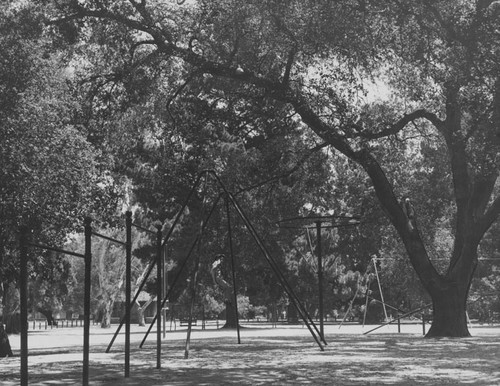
[[286, 286], [23, 289], [128, 288], [303, 313], [153, 261], [86, 306], [194, 280], [158, 294], [380, 288], [228, 212], [350, 305], [366, 299], [174, 282]]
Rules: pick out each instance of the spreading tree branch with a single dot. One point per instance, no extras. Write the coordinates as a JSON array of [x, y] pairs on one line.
[[289, 172], [400, 125], [490, 216]]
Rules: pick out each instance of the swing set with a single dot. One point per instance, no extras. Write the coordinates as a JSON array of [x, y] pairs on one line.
[[206, 177], [401, 313], [331, 222]]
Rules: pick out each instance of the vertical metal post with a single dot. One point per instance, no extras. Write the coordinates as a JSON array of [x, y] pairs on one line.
[[367, 298], [23, 289], [229, 230], [164, 289], [128, 288], [86, 301], [158, 294], [380, 288], [320, 279]]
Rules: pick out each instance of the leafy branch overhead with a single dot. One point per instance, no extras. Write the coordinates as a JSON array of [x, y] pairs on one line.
[[111, 104], [322, 62]]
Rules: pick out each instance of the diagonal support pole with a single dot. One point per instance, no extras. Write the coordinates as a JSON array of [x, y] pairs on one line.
[[286, 286], [174, 282], [152, 263], [128, 289], [229, 232], [194, 280]]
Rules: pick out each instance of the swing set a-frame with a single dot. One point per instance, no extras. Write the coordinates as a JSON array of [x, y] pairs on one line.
[[202, 181], [385, 305]]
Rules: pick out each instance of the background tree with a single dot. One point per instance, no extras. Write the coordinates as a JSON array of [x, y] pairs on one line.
[[108, 271], [50, 174]]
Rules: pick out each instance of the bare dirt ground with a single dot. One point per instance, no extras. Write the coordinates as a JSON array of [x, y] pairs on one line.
[[266, 356]]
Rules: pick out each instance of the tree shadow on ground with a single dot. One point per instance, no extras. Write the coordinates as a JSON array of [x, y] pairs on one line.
[[347, 360]]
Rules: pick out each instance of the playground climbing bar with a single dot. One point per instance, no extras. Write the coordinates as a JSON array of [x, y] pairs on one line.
[[158, 294], [128, 288], [86, 300], [24, 243], [23, 284]]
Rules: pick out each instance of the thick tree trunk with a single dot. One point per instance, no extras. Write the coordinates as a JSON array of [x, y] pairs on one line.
[[216, 271], [449, 316], [142, 309], [231, 321], [48, 315], [292, 314], [106, 316]]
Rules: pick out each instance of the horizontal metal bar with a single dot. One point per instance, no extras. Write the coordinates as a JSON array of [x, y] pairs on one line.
[[323, 227], [109, 238], [325, 218], [54, 249], [144, 229]]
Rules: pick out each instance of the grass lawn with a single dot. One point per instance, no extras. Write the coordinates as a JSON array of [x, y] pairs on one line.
[[266, 356]]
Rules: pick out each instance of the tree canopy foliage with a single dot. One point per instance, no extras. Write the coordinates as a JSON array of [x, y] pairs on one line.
[[336, 105]]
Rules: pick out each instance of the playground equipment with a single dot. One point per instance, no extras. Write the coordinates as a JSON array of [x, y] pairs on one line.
[[333, 222], [401, 313], [25, 242], [230, 201], [373, 261]]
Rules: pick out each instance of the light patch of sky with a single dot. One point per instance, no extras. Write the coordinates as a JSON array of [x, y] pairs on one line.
[[353, 85], [377, 90]]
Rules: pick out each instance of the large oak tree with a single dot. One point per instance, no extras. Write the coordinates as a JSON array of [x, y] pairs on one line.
[[439, 61]]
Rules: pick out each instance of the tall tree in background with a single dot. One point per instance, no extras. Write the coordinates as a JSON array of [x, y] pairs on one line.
[[440, 60], [50, 174]]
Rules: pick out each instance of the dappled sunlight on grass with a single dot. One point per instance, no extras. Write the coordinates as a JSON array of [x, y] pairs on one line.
[[278, 357]]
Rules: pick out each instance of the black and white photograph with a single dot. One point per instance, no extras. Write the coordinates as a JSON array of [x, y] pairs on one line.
[[249, 192]]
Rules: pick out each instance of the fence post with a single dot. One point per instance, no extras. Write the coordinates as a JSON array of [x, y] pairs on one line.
[[23, 289], [128, 288], [86, 305]]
